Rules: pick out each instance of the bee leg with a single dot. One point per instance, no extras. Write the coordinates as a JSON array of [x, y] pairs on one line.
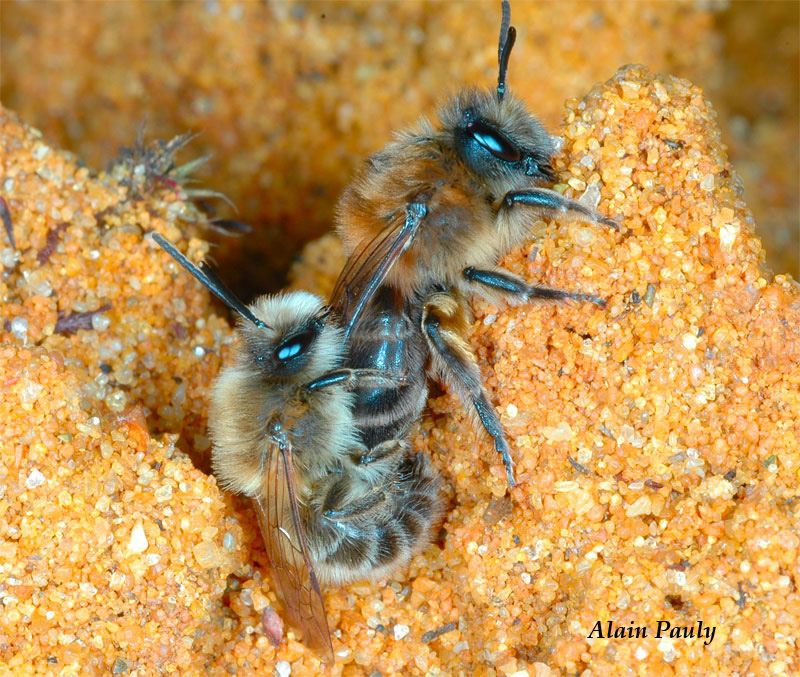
[[339, 505], [389, 453], [455, 361], [380, 464], [356, 509], [516, 289], [553, 202], [356, 378]]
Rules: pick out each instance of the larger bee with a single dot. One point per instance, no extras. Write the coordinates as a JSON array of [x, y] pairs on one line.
[[474, 180], [331, 510]]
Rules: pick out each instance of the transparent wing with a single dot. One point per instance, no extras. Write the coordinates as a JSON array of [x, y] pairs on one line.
[[284, 538], [369, 264]]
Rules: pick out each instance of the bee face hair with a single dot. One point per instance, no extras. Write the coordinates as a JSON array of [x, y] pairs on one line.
[[297, 338], [498, 139]]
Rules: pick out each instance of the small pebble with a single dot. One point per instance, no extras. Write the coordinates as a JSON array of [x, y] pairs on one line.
[[34, 479], [138, 541], [400, 631], [100, 322]]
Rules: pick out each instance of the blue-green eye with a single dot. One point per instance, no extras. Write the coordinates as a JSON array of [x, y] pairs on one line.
[[294, 345], [496, 143], [289, 351]]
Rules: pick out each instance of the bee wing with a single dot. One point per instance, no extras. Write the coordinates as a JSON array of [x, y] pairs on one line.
[[368, 265], [282, 530]]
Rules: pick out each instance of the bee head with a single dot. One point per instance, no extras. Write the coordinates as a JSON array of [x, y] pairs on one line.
[[499, 140], [494, 134], [297, 338], [283, 335]]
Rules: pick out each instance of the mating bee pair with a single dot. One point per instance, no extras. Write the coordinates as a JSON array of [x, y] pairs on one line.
[[312, 420]]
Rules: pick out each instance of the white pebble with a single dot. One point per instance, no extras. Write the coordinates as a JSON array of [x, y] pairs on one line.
[[727, 234], [199, 351], [35, 479], [576, 183], [41, 288], [40, 151], [8, 257], [591, 196], [87, 589], [138, 542], [707, 183], [511, 410], [117, 400], [400, 631], [641, 506], [665, 646], [100, 322], [283, 669], [584, 237], [689, 341], [163, 493], [19, 327], [30, 391]]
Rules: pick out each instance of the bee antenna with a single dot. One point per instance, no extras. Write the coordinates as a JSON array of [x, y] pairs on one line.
[[508, 34], [208, 278]]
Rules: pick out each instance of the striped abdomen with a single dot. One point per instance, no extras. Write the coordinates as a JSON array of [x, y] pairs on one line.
[[370, 533], [388, 339]]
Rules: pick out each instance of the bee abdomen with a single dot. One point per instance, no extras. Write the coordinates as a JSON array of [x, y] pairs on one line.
[[372, 544], [389, 340], [389, 413]]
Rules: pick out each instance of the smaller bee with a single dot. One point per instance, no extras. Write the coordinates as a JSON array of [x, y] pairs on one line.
[[331, 511]]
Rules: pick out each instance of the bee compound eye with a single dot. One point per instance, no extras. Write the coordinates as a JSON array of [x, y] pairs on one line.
[[497, 143], [295, 345], [287, 352]]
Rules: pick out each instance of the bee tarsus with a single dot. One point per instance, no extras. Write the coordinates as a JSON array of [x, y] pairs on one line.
[[516, 289], [455, 363], [356, 378], [551, 201]]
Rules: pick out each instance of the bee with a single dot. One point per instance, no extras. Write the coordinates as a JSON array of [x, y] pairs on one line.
[[475, 179], [331, 510]]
